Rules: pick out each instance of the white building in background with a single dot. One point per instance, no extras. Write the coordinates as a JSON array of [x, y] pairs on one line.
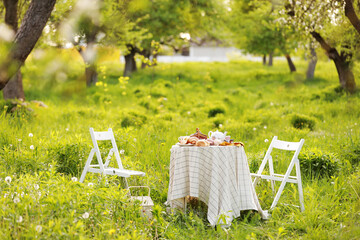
[[204, 54], [207, 54]]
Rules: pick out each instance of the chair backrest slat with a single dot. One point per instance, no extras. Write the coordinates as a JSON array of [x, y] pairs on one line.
[[290, 146], [100, 136]]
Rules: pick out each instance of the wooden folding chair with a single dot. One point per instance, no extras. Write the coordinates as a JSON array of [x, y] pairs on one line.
[[282, 145], [103, 168]]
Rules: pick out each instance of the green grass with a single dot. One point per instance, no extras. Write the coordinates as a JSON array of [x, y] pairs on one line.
[[147, 115]]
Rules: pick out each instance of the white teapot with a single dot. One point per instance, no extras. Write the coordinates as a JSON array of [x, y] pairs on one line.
[[217, 135]]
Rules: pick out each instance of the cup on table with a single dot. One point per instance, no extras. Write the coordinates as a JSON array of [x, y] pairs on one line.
[[227, 138]]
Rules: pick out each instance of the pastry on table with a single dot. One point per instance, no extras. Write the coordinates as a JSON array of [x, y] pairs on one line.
[[202, 143], [192, 140]]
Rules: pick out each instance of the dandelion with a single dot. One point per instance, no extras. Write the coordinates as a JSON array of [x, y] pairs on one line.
[[90, 184], [254, 128], [74, 179], [122, 151], [265, 127], [32, 147], [36, 186], [8, 179], [86, 215], [38, 228], [20, 219], [162, 144], [266, 140], [30, 135], [16, 200], [112, 231]]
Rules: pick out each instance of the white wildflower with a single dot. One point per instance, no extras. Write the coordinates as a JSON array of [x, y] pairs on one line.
[[32, 147], [254, 128], [16, 200], [67, 129], [8, 179], [188, 112], [134, 139], [30, 135], [19, 140], [271, 104], [220, 125], [5, 195], [165, 99], [90, 184], [265, 127], [36, 186], [86, 215], [20, 219], [74, 179], [266, 140], [38, 228], [122, 151]]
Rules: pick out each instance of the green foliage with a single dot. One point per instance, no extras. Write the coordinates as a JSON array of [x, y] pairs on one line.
[[315, 164], [134, 119], [216, 110], [257, 105], [301, 121], [70, 158]]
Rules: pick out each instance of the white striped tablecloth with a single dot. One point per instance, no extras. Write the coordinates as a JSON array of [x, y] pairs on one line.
[[218, 176]]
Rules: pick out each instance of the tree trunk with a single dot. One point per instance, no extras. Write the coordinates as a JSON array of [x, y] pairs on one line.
[[146, 54], [130, 63], [312, 63], [264, 59], [290, 63], [270, 63], [26, 37], [91, 75], [351, 15], [342, 62], [14, 88]]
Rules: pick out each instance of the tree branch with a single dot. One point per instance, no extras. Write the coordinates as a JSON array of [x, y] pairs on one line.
[[351, 15], [330, 51]]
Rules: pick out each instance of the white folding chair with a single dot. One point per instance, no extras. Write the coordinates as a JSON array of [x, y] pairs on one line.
[[282, 145], [103, 168]]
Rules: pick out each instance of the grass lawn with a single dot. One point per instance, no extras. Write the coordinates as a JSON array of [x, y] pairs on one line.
[[43, 150]]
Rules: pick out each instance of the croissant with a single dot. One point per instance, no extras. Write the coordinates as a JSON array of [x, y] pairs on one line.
[[202, 143], [192, 140]]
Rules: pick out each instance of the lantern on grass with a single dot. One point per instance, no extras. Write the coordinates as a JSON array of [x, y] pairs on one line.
[[146, 202]]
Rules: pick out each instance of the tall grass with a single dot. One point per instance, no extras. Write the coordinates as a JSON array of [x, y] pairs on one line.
[[43, 150]]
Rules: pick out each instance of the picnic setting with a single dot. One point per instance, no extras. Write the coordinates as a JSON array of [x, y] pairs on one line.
[[194, 119]]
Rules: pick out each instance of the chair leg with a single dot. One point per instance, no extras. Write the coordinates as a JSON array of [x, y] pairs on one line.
[[88, 161], [300, 189], [271, 169], [281, 188]]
